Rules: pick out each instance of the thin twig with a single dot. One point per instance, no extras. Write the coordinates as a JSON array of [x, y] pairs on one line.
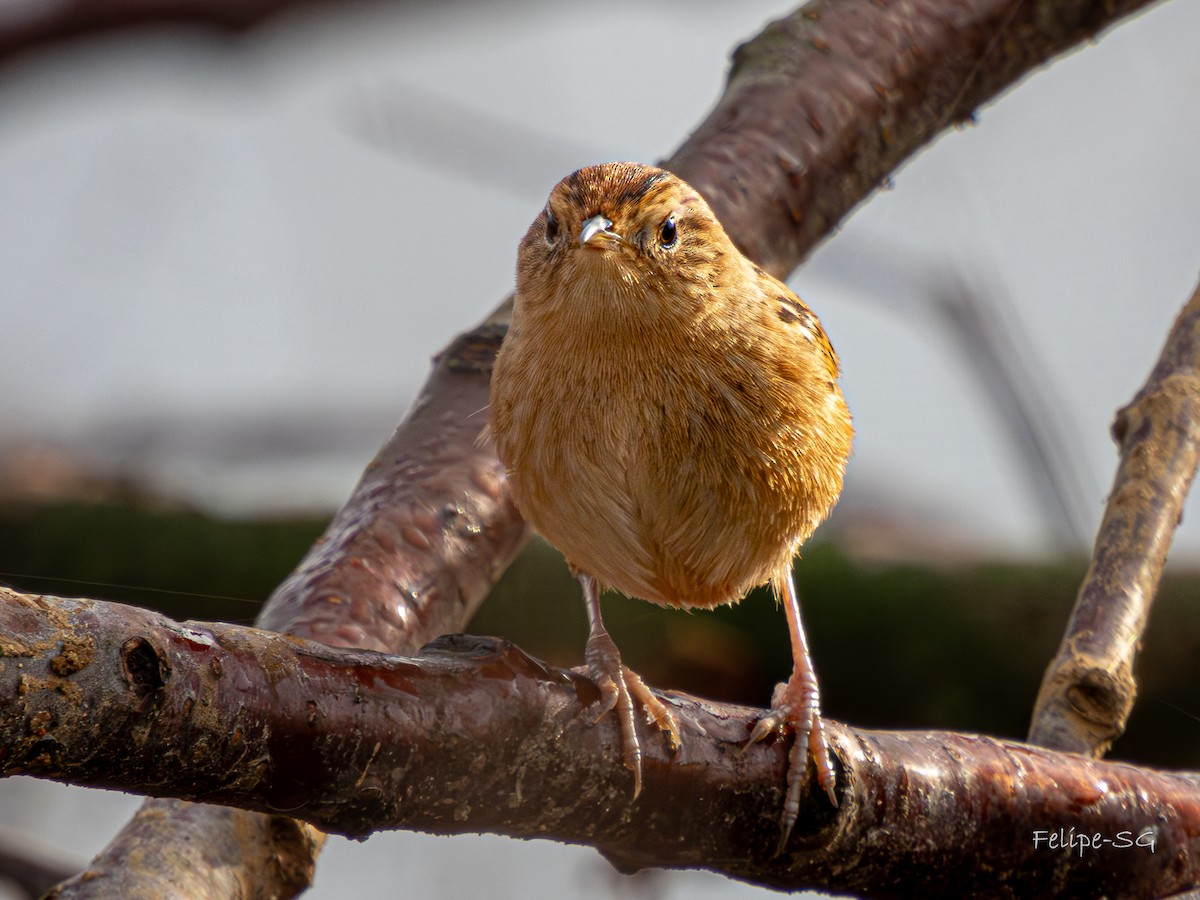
[[1089, 687]]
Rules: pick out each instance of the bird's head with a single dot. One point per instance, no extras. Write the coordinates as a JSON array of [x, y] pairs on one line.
[[623, 238]]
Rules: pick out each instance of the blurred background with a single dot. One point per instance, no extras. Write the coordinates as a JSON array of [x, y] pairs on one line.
[[225, 263]]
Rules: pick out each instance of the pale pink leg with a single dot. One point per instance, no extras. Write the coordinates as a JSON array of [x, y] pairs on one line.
[[798, 703], [620, 686]]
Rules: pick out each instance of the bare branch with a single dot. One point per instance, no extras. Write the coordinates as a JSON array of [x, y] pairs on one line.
[[1089, 688], [427, 530], [171, 848], [475, 735], [30, 26], [26, 867], [825, 103], [411, 555]]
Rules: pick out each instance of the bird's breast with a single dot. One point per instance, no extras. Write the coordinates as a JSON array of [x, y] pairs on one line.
[[672, 475]]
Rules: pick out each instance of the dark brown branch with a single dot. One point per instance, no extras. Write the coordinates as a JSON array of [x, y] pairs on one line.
[[824, 104], [33, 26], [426, 532], [410, 556], [1089, 688], [172, 848], [26, 868], [475, 735]]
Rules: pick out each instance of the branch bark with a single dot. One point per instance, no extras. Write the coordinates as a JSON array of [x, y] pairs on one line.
[[1088, 691], [26, 868], [474, 735], [426, 532], [411, 555], [35, 26], [824, 104]]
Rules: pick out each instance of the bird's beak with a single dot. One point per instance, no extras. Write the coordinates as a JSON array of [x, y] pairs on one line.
[[601, 228]]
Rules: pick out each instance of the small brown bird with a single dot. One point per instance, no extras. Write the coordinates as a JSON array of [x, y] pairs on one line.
[[670, 419]]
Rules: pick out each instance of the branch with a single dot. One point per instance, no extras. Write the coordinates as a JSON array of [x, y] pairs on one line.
[[474, 735], [32, 26], [426, 532], [26, 867], [411, 555], [824, 104], [1089, 687]]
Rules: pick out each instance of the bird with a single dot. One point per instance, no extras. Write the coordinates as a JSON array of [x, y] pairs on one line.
[[669, 417]]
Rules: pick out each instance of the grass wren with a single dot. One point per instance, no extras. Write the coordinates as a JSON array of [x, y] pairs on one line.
[[670, 418]]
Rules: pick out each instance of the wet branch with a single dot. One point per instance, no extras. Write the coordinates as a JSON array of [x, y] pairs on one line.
[[411, 555], [823, 105], [473, 735]]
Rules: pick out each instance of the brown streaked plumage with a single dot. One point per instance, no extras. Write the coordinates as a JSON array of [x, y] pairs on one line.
[[670, 419]]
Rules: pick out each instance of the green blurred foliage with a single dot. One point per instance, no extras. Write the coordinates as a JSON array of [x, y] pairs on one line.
[[896, 646], [183, 563]]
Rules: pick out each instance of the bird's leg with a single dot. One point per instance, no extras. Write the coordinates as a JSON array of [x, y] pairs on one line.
[[798, 703], [620, 686]]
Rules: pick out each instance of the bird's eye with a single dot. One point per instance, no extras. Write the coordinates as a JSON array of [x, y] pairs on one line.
[[667, 232], [551, 226]]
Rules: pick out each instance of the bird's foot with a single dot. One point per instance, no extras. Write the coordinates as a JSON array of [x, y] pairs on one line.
[[797, 704], [620, 687]]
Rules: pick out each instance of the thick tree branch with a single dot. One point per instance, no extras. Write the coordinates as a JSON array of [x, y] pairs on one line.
[[475, 735], [30, 26], [411, 555], [1089, 687], [172, 848], [25, 866], [824, 104], [426, 532]]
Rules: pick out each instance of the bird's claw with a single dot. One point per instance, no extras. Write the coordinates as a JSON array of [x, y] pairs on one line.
[[796, 704], [619, 688]]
